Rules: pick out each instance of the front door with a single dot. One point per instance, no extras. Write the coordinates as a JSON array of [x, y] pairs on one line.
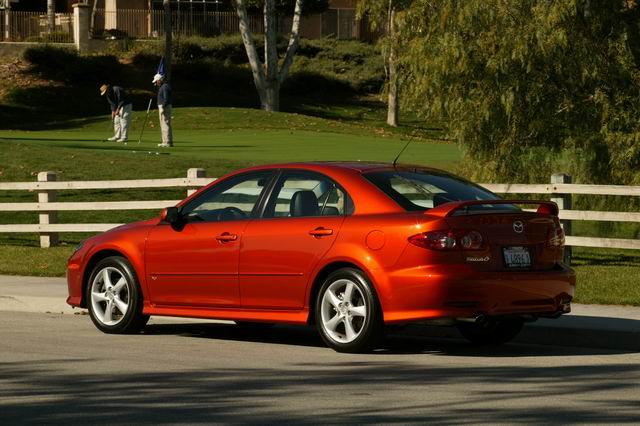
[[196, 263]]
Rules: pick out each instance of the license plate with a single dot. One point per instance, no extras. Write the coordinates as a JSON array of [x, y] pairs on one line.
[[516, 257]]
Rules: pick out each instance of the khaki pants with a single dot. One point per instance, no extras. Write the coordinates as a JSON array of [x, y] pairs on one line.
[[122, 122], [165, 124]]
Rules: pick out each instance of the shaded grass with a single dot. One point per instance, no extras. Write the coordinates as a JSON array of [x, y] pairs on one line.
[[610, 277]]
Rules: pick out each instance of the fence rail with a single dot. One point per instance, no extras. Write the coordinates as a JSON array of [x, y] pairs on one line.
[[140, 23], [47, 206], [34, 26]]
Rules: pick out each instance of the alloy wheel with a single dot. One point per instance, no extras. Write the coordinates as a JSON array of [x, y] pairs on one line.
[[343, 311], [110, 295]]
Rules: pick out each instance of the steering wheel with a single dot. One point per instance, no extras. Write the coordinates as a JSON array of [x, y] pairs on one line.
[[235, 212]]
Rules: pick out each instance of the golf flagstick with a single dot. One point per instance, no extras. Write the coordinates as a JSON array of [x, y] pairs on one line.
[[145, 120]]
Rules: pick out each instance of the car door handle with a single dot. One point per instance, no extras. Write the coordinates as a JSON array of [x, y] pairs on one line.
[[321, 232], [226, 237]]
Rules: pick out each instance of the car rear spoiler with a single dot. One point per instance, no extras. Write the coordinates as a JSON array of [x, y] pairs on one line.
[[447, 209]]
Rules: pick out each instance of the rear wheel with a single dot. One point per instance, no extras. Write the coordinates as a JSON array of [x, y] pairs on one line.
[[491, 332], [114, 297], [348, 315]]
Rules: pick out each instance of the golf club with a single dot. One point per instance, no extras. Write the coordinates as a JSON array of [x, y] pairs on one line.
[[145, 120], [111, 124]]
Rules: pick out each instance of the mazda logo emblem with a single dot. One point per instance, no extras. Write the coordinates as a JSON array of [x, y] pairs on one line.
[[518, 226]]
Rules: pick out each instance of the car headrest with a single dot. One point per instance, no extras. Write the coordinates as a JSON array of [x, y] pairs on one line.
[[303, 203]]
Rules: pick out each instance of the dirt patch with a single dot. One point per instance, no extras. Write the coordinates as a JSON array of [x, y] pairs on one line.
[[16, 73]]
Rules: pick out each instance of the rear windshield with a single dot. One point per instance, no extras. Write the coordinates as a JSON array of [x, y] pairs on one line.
[[419, 190]]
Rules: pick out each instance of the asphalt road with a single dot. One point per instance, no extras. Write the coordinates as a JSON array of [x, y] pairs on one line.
[[59, 369]]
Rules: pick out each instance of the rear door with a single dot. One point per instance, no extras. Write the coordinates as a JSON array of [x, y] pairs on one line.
[[300, 223]]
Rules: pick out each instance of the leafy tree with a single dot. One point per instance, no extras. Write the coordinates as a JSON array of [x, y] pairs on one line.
[[554, 81], [268, 76]]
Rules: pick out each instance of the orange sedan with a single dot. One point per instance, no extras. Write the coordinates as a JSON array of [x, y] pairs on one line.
[[348, 247]]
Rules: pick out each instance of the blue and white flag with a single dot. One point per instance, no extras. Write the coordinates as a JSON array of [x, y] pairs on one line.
[[161, 67]]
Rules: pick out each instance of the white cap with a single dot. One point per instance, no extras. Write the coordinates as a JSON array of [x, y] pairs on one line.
[[157, 77]]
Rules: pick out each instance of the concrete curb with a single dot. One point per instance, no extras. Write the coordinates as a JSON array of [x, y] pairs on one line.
[[593, 326]]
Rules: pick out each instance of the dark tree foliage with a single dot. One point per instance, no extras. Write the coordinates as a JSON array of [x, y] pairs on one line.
[[529, 86]]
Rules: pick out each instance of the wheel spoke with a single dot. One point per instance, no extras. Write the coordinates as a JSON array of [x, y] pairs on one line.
[[348, 292], [358, 311], [119, 285], [332, 298], [333, 322], [108, 313], [122, 307], [106, 279], [99, 297], [348, 327]]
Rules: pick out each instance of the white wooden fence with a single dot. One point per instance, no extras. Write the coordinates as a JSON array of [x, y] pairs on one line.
[[47, 205]]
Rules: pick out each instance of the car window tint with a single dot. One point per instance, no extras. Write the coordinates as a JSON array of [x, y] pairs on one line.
[[302, 195], [233, 200], [424, 189]]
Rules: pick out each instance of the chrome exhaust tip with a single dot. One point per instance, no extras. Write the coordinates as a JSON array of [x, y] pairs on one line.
[[478, 319]]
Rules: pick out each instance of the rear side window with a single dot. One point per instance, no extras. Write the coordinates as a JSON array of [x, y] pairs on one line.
[[419, 190]]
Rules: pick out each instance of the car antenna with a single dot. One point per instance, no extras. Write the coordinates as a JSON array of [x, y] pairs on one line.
[[400, 153]]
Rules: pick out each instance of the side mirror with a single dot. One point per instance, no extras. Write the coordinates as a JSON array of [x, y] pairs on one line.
[[170, 215]]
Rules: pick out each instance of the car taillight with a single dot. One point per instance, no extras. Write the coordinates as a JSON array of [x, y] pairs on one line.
[[448, 240], [556, 236]]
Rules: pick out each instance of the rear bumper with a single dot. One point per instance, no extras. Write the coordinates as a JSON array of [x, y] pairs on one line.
[[456, 291]]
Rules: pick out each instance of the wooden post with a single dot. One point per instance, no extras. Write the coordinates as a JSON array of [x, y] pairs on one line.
[[47, 239], [564, 203], [195, 174]]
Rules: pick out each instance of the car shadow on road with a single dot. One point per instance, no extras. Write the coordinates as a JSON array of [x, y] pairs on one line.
[[410, 341]]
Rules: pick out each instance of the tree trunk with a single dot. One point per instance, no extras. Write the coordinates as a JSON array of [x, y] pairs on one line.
[[92, 22], [51, 16], [266, 77], [294, 41], [168, 48], [393, 110], [252, 52], [271, 101]]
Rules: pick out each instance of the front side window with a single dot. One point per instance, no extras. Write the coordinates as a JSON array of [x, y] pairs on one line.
[[231, 200], [305, 195], [418, 190]]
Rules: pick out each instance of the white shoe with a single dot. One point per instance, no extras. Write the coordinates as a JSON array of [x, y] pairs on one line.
[[113, 138], [122, 140], [161, 145]]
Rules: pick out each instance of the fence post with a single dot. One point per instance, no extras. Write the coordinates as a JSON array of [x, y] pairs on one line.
[[195, 174], [81, 26], [47, 239], [7, 23], [564, 203]]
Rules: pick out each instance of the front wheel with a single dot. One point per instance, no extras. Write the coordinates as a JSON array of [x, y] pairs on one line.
[[114, 297], [491, 332], [348, 315]]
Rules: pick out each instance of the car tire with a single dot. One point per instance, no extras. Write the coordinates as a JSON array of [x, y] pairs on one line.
[[492, 331], [348, 314], [114, 297]]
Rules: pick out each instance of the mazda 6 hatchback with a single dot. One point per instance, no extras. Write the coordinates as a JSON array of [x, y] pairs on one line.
[[349, 247]]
